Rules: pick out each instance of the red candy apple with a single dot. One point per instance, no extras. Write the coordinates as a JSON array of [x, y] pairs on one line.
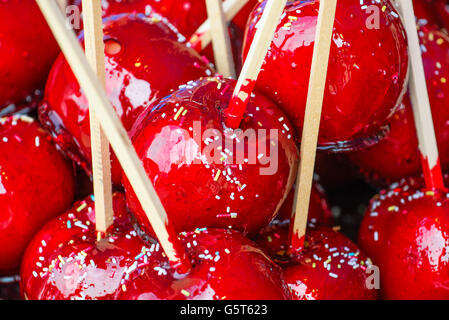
[[226, 265], [397, 156], [207, 175], [405, 231], [330, 267], [144, 62], [186, 15], [66, 261], [28, 50], [36, 184], [367, 72]]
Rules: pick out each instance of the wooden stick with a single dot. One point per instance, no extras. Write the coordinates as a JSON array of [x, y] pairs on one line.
[[256, 55], [117, 135], [220, 39], [101, 160], [317, 83], [203, 36], [420, 102], [62, 4]]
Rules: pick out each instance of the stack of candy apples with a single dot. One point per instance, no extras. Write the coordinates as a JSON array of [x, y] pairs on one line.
[[226, 181]]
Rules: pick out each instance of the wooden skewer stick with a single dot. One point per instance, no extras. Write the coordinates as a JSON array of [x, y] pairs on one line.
[[101, 160], [220, 39], [203, 36], [117, 135], [256, 55], [62, 4], [420, 102], [312, 119]]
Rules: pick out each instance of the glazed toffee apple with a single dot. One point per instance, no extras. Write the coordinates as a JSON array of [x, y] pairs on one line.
[[28, 51], [144, 62], [411, 224], [330, 266], [36, 184], [207, 175], [66, 260], [397, 156], [186, 15], [367, 71]]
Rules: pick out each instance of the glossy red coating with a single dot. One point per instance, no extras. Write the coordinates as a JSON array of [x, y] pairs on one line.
[[397, 156], [405, 232], [28, 50], [201, 180], [442, 9], [186, 15], [367, 74], [330, 267], [426, 12], [144, 62], [36, 184], [66, 261]]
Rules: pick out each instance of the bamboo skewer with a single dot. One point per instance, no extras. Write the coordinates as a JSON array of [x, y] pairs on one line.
[[62, 4], [256, 55], [101, 161], [203, 35], [117, 135], [220, 39], [317, 82], [420, 102]]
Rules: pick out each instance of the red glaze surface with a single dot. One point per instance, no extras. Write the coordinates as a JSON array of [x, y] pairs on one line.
[[367, 71], [36, 184], [200, 189], [426, 12], [442, 8], [319, 209], [65, 261], [331, 267], [28, 51], [186, 15], [405, 231], [144, 62], [397, 156], [226, 265]]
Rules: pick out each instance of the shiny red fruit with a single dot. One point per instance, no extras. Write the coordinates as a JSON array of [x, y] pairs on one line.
[[330, 267], [28, 50], [144, 62], [405, 231], [36, 184], [66, 261], [210, 176], [367, 71], [186, 15], [226, 266], [397, 156]]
